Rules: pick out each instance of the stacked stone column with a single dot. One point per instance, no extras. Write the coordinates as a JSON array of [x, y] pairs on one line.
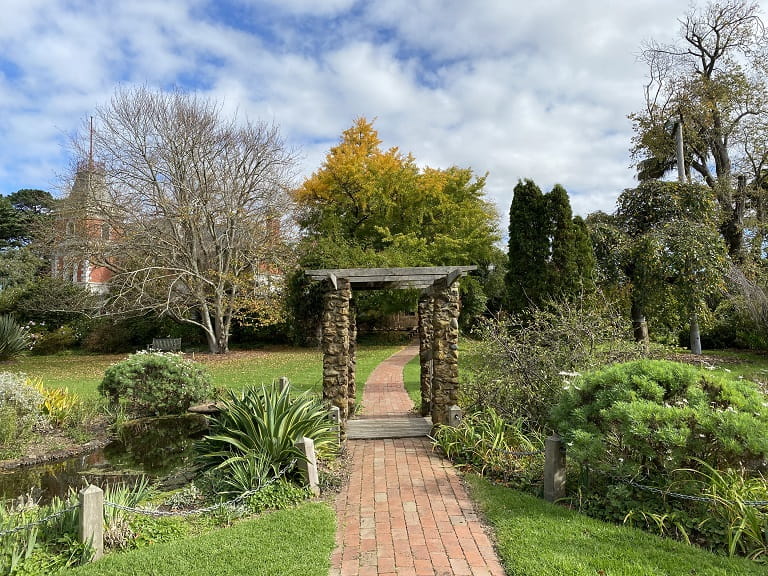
[[445, 351], [336, 349], [426, 306], [352, 362]]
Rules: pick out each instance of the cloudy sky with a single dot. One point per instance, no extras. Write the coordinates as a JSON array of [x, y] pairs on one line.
[[519, 89]]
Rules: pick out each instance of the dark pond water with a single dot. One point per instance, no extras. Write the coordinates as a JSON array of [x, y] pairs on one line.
[[160, 448]]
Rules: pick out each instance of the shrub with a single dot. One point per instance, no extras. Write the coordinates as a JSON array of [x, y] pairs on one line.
[[14, 339], [20, 412], [156, 383], [516, 366], [252, 437], [63, 338], [651, 417]]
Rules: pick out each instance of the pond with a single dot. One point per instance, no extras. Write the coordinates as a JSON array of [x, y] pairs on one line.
[[160, 448]]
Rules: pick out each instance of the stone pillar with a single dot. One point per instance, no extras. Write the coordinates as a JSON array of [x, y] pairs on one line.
[[352, 362], [426, 304], [335, 343], [445, 352]]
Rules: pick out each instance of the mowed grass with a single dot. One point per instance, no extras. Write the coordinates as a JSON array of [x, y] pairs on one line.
[[81, 373], [296, 541], [536, 538], [412, 380]]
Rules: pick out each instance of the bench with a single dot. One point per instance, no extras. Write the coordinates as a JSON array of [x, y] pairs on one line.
[[166, 344]]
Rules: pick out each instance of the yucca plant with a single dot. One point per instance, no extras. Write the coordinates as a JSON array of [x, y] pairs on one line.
[[14, 339], [256, 430]]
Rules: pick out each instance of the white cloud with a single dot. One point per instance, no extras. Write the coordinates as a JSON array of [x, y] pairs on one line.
[[537, 89]]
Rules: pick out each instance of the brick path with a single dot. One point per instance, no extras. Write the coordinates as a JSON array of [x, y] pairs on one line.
[[404, 510]]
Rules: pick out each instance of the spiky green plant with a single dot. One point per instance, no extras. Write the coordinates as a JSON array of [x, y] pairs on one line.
[[14, 339], [735, 504], [260, 425]]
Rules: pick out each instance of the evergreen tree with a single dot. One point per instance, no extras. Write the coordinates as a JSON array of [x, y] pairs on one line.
[[550, 252], [529, 247]]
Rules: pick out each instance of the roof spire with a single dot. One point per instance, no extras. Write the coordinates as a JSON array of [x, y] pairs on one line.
[[90, 148]]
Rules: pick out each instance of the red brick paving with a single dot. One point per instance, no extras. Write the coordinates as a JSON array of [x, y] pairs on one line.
[[404, 510]]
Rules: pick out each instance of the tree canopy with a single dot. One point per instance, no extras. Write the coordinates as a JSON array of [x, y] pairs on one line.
[[712, 80], [192, 203], [663, 246], [369, 206]]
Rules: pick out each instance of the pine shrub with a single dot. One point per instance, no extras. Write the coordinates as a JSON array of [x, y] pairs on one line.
[[156, 383]]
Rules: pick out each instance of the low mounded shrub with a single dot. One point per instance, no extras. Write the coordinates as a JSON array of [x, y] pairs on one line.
[[55, 341], [651, 417], [156, 383]]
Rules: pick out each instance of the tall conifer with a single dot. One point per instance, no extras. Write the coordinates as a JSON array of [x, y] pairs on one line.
[[529, 247]]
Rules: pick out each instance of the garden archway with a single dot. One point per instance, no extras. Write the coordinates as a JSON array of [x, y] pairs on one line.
[[438, 315]]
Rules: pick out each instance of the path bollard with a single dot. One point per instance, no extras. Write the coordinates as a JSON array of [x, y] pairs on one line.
[[455, 415], [91, 526], [308, 464], [554, 469], [283, 383]]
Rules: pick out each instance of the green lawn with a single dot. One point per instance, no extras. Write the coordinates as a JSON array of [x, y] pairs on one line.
[[82, 373], [297, 541], [412, 379], [535, 538]]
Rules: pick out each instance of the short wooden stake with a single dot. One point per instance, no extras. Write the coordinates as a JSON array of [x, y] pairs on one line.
[[283, 383], [91, 527], [308, 464], [554, 469]]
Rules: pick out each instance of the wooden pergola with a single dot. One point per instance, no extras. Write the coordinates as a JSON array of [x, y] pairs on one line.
[[438, 316]]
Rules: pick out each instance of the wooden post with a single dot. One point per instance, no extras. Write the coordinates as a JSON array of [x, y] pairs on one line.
[[554, 469], [455, 415], [308, 464], [283, 383], [334, 414], [91, 527]]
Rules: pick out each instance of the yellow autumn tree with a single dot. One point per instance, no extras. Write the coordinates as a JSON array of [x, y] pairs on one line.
[[368, 206]]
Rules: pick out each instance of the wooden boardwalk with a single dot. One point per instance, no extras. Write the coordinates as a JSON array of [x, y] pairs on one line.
[[388, 427]]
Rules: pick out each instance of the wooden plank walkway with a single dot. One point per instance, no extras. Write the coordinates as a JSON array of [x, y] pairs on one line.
[[388, 427]]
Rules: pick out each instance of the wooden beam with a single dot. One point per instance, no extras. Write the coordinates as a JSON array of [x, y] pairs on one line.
[[378, 278]]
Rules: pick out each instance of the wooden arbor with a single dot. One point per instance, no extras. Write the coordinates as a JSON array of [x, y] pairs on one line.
[[438, 331]]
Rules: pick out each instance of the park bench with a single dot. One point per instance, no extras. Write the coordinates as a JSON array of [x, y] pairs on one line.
[[166, 344]]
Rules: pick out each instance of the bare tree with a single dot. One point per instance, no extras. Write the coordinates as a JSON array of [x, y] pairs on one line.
[[187, 208], [713, 81]]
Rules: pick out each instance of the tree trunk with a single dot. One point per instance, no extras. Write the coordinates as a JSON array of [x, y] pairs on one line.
[[695, 335], [639, 325]]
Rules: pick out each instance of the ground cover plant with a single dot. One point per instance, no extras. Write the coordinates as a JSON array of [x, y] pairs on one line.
[[536, 538]]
